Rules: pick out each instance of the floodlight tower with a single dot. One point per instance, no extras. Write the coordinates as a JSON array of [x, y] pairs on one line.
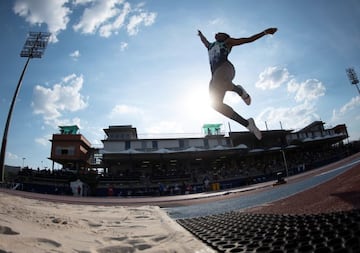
[[353, 78], [34, 47]]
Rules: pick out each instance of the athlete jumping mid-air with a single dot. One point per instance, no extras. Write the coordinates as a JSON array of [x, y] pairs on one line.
[[223, 73]]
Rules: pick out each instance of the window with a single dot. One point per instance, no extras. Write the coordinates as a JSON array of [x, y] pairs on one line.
[[65, 150], [154, 144], [206, 143], [127, 145], [182, 143]]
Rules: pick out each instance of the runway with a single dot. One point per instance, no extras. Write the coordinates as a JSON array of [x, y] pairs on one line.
[[259, 198], [323, 218], [190, 205]]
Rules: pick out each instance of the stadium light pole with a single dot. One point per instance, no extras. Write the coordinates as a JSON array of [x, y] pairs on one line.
[[34, 47], [285, 162], [353, 78]]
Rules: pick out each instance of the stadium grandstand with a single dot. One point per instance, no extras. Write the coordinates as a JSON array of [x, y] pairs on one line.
[[127, 165]]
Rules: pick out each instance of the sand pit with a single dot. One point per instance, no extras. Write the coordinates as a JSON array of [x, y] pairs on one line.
[[31, 225], [28, 225]]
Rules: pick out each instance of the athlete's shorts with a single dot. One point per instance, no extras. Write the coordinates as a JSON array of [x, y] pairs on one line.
[[221, 81]]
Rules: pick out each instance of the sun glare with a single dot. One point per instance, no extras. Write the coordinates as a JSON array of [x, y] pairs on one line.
[[197, 106]]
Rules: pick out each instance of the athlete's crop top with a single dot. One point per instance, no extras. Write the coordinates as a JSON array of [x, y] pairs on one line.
[[218, 54]]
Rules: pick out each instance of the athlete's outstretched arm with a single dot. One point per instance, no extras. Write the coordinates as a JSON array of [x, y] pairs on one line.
[[235, 42], [203, 39]]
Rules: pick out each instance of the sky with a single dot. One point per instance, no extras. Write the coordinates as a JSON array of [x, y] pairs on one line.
[[141, 63]]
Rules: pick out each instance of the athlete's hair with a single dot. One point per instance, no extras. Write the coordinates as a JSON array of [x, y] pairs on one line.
[[225, 34]]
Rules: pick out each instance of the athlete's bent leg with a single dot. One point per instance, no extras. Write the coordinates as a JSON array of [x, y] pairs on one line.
[[224, 76], [242, 93]]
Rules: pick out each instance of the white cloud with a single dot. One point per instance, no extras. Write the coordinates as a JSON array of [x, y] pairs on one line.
[[305, 94], [93, 133], [123, 46], [53, 13], [67, 122], [75, 55], [348, 114], [62, 97], [346, 108], [136, 20], [80, 2], [216, 21], [44, 141], [272, 78], [107, 18], [12, 156], [107, 29], [292, 86], [309, 90], [124, 110], [300, 115], [290, 117], [163, 129], [354, 102], [97, 14]]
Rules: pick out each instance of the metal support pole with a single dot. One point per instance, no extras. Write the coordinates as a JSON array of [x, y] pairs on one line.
[[4, 140], [285, 163], [34, 47], [357, 88]]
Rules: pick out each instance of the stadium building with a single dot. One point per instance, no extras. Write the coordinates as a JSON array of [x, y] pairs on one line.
[[129, 165]]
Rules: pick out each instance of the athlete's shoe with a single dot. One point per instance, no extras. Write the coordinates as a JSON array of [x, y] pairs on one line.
[[244, 95], [253, 128]]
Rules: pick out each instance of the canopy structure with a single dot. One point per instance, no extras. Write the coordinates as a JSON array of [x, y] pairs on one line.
[[212, 129], [69, 129]]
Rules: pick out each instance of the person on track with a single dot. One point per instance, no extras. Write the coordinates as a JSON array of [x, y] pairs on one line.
[[223, 72]]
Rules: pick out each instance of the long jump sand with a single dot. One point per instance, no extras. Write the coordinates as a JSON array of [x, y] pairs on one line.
[[28, 224]]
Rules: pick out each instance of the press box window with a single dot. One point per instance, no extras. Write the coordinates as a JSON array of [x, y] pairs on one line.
[[65, 151]]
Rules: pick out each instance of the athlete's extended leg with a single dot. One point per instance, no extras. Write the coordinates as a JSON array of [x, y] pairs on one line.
[[253, 128], [228, 112]]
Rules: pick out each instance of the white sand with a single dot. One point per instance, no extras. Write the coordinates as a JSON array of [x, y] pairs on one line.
[[28, 225]]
